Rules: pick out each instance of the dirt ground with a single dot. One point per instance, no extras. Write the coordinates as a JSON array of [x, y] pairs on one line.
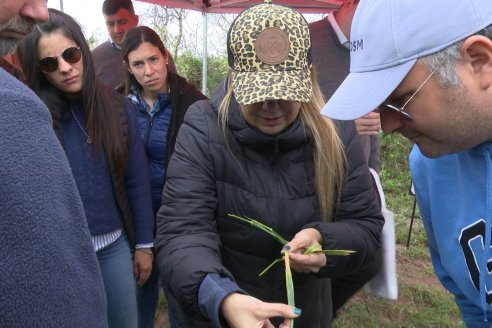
[[161, 320], [415, 271], [411, 271]]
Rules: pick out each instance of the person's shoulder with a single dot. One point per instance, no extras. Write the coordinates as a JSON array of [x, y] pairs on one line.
[[185, 88], [12, 91], [200, 111], [102, 48], [200, 107], [319, 25], [7, 81], [103, 45]]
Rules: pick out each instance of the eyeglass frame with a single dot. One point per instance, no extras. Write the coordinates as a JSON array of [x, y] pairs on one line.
[[60, 55], [401, 109]]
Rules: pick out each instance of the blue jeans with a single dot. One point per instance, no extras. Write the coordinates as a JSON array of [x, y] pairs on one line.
[[116, 266], [147, 299]]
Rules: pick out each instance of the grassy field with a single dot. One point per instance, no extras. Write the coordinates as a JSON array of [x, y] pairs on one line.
[[422, 301]]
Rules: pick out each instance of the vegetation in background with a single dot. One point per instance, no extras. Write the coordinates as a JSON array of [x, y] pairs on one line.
[[190, 67]]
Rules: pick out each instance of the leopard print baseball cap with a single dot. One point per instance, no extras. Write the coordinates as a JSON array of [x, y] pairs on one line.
[[269, 53]]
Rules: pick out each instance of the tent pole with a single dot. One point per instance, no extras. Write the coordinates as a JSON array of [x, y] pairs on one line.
[[205, 55]]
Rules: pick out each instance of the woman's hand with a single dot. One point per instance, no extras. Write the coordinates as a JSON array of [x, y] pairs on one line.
[[142, 265], [249, 312], [303, 240]]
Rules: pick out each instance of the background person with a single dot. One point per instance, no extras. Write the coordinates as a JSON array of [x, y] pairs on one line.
[[331, 57], [274, 158], [430, 75], [161, 99], [49, 276], [99, 132], [119, 16]]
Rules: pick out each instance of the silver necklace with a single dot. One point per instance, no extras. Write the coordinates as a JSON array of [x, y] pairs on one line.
[[88, 139]]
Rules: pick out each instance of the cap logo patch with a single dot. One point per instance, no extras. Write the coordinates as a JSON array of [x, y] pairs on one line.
[[357, 45], [272, 46]]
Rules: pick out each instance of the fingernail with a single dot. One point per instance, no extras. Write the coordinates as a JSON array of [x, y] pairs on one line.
[[286, 248], [297, 311]]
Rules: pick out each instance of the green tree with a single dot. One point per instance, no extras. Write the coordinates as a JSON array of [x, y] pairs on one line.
[[216, 70], [190, 67]]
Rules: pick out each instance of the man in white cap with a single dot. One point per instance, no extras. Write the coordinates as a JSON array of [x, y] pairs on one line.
[[427, 66]]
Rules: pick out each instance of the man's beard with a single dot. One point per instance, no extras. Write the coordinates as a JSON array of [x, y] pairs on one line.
[[9, 44]]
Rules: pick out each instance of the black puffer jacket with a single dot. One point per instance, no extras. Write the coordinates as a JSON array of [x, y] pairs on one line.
[[269, 178]]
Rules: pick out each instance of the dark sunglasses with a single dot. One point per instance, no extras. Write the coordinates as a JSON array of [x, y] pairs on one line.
[[71, 55]]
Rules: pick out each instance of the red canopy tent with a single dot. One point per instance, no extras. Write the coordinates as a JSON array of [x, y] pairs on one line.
[[236, 6]]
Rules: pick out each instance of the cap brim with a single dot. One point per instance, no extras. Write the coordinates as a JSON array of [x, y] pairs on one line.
[[258, 86], [361, 93]]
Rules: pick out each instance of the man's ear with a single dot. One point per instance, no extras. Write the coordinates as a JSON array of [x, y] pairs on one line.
[[477, 51], [137, 20]]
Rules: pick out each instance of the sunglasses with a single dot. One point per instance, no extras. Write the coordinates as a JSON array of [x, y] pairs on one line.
[[50, 64]]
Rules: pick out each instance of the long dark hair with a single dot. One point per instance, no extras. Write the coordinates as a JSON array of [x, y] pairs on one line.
[[134, 37], [98, 101]]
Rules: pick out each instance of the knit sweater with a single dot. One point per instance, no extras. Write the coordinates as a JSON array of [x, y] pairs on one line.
[[49, 275], [108, 62], [95, 182]]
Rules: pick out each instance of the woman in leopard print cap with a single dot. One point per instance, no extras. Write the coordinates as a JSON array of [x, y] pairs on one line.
[[261, 149]]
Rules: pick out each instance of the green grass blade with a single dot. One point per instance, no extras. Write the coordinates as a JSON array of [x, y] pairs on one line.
[[261, 226], [312, 249], [317, 249], [289, 284], [271, 264]]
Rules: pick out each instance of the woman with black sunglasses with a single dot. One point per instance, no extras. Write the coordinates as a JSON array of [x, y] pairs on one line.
[[99, 132]]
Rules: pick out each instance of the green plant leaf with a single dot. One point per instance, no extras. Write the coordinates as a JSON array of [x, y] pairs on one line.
[[317, 249], [262, 227], [283, 241], [289, 284], [280, 259]]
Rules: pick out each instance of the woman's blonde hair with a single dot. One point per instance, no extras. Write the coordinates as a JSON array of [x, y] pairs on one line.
[[329, 156]]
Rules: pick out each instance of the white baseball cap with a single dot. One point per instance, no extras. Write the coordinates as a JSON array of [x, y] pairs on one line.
[[387, 38]]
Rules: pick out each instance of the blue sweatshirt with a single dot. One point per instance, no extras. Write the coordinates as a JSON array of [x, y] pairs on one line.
[[454, 193]]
